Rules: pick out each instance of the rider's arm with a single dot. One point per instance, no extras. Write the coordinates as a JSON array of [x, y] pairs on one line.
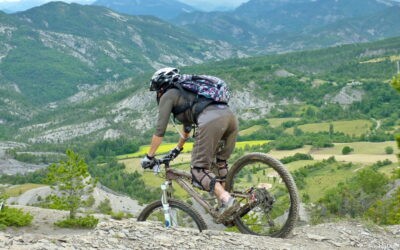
[[155, 143], [164, 111], [183, 139]]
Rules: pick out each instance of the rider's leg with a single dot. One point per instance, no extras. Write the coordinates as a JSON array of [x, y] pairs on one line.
[[209, 182], [220, 192], [213, 124], [223, 155]]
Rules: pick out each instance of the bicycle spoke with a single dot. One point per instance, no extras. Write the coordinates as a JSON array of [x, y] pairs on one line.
[[266, 188]]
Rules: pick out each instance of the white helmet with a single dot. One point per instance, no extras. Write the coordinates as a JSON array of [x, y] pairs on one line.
[[163, 78]]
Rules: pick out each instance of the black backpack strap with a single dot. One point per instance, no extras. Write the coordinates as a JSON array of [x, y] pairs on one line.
[[180, 109], [198, 104]]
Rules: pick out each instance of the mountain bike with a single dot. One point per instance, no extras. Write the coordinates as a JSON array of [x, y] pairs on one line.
[[265, 190]]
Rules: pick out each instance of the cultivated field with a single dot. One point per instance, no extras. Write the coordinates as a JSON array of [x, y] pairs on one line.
[[276, 122], [365, 154], [250, 130], [355, 127], [165, 148], [367, 148]]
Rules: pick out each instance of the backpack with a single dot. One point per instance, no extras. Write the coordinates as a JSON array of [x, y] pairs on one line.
[[208, 90]]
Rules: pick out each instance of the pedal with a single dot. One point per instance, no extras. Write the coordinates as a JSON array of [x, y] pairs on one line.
[[229, 215]]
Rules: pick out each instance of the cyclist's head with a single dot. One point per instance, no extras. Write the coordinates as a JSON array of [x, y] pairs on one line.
[[163, 79]]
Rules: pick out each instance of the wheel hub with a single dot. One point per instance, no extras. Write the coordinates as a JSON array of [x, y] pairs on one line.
[[261, 197]]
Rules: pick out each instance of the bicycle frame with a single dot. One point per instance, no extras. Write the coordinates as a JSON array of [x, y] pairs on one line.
[[179, 177]]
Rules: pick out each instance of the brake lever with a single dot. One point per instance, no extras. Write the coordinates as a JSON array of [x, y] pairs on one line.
[[164, 160], [157, 169]]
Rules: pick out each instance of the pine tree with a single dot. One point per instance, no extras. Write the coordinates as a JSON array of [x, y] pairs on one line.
[[72, 182]]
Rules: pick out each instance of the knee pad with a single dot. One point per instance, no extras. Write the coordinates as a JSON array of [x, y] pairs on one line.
[[203, 178], [222, 169]]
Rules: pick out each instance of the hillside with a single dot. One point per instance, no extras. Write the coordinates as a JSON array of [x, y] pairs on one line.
[[354, 76], [64, 48], [280, 26], [147, 235]]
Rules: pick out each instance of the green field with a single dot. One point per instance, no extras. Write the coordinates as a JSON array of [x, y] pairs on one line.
[[276, 122], [165, 148], [355, 127], [388, 170], [20, 189], [250, 130], [319, 182], [365, 154], [152, 180], [279, 154], [368, 148], [293, 166]]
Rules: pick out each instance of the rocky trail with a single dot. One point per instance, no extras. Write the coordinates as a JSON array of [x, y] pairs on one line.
[[130, 234]]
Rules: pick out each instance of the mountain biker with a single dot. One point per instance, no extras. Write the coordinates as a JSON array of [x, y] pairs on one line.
[[215, 123]]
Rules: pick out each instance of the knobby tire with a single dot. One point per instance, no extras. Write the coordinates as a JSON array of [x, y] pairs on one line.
[[177, 204], [289, 184]]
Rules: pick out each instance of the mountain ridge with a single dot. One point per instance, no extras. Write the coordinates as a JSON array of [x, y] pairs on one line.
[[165, 9], [60, 46], [267, 27]]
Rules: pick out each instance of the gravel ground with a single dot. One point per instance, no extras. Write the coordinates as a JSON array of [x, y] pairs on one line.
[[130, 234]]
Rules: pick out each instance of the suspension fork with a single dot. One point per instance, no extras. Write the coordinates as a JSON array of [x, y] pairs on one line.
[[170, 219]]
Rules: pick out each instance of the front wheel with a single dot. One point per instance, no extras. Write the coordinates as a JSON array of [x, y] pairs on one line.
[[181, 214], [262, 181]]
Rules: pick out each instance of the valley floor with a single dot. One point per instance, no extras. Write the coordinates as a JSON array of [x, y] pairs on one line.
[[130, 234]]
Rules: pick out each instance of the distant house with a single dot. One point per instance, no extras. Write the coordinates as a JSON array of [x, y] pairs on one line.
[[354, 83]]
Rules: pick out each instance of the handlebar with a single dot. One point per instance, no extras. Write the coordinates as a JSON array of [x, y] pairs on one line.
[[166, 159], [158, 162]]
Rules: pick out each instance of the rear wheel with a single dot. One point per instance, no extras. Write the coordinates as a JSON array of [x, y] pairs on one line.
[[264, 182], [181, 214]]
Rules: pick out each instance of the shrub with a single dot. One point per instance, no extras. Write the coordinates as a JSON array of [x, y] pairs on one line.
[[81, 222], [386, 211], [347, 150], [296, 157], [354, 197], [90, 201], [105, 207], [120, 215], [14, 217], [389, 150], [380, 164], [117, 216], [289, 143]]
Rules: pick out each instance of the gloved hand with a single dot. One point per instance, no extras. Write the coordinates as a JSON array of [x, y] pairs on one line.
[[174, 152], [148, 162]]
